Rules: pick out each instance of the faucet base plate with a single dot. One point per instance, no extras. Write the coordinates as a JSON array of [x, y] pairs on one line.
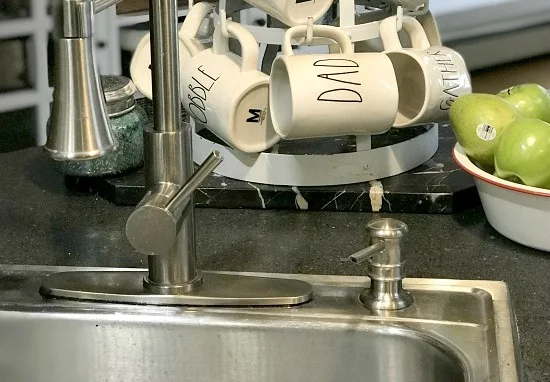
[[218, 289]]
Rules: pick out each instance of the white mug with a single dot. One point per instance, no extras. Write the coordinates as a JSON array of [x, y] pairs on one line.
[[430, 78], [322, 95], [195, 29], [293, 12], [140, 66], [227, 94]]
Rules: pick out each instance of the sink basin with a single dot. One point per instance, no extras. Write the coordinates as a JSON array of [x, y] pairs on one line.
[[455, 331]]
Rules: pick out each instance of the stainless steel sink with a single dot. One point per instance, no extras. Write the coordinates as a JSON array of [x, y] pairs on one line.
[[455, 331]]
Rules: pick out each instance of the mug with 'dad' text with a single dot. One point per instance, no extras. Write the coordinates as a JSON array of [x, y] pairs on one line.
[[322, 95]]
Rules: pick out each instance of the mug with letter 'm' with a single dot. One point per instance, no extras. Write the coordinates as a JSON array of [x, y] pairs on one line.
[[227, 94]]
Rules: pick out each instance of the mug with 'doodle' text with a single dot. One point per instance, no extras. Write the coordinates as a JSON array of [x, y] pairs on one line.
[[227, 93]]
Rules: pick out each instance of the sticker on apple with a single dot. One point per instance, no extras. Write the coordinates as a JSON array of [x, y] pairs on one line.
[[486, 132]]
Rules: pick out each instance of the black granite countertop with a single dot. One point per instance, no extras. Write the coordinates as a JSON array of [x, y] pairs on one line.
[[44, 223]]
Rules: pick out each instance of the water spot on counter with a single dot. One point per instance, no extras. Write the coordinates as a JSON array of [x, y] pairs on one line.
[[377, 197], [300, 202], [375, 193]]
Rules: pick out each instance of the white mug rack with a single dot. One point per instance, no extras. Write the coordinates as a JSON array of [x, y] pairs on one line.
[[365, 164]]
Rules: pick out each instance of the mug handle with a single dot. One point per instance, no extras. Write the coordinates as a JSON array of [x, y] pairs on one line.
[[191, 25], [249, 45], [326, 31], [390, 39]]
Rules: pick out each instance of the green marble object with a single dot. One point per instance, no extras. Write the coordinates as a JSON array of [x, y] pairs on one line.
[[127, 123]]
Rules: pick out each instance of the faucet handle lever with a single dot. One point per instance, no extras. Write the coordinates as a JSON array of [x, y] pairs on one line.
[[182, 197], [154, 225]]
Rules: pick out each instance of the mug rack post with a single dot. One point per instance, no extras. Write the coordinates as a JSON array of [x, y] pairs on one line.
[[346, 12]]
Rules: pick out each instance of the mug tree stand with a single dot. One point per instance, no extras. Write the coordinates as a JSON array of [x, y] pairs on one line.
[[403, 170]]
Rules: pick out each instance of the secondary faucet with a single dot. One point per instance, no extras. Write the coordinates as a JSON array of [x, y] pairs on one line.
[[385, 267], [163, 225], [78, 126]]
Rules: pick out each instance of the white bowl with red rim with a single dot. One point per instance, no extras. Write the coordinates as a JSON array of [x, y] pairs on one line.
[[519, 212]]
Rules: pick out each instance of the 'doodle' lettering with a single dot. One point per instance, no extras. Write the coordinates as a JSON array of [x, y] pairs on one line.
[[200, 87]]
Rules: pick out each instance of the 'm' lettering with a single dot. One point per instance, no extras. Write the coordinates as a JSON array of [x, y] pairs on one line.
[[256, 114]]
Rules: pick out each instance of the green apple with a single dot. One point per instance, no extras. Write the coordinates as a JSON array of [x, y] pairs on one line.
[[532, 100], [523, 153], [477, 121]]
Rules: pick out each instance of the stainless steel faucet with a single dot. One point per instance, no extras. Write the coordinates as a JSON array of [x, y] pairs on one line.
[[385, 267], [79, 129], [163, 225], [79, 126]]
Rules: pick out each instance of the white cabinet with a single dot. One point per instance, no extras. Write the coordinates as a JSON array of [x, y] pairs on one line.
[[34, 29], [493, 32]]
